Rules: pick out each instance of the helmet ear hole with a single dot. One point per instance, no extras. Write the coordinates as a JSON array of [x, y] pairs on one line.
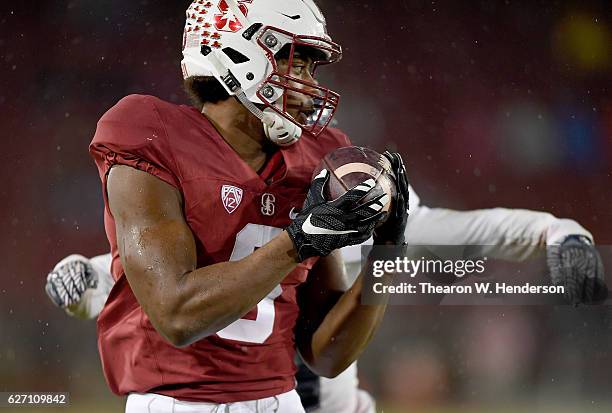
[[235, 55], [250, 32]]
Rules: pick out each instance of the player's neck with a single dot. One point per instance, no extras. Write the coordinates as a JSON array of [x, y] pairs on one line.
[[241, 130]]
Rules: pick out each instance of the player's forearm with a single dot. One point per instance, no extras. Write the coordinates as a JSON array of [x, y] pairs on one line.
[[344, 333], [158, 251], [511, 234], [210, 298]]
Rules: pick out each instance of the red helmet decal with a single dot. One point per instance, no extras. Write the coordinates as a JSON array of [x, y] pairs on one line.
[[227, 21]]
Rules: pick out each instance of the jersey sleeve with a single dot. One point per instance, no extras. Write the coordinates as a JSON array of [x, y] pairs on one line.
[[522, 233], [131, 133], [511, 234]]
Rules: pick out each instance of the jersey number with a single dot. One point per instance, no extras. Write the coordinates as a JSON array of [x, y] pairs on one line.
[[253, 236]]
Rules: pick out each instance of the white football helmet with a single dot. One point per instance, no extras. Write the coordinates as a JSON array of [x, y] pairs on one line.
[[236, 42]]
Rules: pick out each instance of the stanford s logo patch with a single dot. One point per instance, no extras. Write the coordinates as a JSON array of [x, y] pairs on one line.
[[231, 197], [267, 204]]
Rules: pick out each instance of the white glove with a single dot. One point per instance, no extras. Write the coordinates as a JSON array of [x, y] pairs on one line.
[[79, 285]]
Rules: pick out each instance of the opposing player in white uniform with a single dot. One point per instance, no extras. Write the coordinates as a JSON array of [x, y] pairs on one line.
[[81, 285]]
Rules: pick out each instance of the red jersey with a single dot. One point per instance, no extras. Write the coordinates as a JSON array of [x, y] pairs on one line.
[[231, 210]]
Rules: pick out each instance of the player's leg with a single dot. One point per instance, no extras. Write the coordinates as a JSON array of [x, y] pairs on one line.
[[365, 402], [338, 395]]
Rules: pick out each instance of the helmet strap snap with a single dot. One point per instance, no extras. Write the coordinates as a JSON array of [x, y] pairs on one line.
[[280, 130]]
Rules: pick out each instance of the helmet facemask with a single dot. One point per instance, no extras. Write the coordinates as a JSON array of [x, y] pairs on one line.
[[277, 89]]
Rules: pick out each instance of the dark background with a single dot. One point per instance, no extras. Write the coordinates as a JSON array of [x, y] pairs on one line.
[[492, 103]]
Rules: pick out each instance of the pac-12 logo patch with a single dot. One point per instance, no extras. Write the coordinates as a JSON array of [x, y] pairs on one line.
[[231, 197]]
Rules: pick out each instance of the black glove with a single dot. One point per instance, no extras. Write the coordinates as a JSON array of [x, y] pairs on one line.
[[392, 231], [576, 265], [69, 280], [323, 226]]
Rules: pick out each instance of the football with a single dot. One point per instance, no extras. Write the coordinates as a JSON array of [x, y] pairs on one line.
[[352, 165]]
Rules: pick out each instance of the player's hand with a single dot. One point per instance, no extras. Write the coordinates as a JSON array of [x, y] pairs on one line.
[[576, 265], [69, 280], [324, 226], [392, 231]]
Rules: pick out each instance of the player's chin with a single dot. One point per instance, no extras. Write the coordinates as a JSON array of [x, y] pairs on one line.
[[301, 117]]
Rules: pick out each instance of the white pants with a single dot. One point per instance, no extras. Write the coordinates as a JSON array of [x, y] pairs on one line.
[[342, 395], [154, 403]]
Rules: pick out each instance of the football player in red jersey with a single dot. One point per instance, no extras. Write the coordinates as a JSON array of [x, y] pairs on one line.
[[276, 127], [206, 301]]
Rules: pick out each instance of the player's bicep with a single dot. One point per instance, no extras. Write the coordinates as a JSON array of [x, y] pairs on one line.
[[156, 246]]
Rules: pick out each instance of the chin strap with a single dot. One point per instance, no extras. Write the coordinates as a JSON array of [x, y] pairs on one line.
[[280, 130]]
